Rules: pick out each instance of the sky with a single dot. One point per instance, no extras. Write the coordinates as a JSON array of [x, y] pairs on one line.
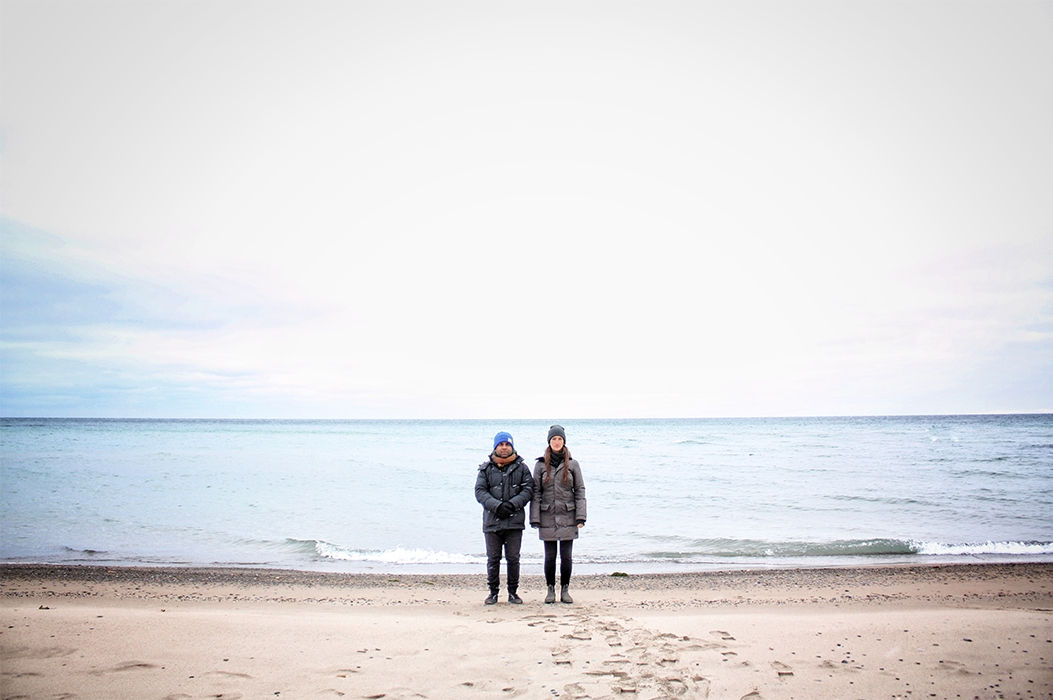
[[445, 209]]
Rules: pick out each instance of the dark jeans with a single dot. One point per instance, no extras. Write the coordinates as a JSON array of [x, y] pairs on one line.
[[511, 541], [566, 554]]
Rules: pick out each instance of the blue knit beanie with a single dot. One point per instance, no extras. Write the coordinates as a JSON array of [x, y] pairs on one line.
[[503, 437]]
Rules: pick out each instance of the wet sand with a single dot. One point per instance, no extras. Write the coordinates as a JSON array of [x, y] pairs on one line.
[[957, 631]]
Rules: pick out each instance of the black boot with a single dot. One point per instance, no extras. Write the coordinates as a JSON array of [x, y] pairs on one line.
[[514, 598], [491, 599]]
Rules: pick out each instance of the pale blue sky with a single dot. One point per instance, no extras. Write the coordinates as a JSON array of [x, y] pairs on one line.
[[525, 209]]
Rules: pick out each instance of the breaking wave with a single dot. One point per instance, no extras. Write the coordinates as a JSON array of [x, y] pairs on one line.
[[727, 548], [398, 555]]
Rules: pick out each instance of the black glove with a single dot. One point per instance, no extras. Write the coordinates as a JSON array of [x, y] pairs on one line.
[[505, 509]]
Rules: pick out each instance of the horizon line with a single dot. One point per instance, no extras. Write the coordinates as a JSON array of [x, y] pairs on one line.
[[1045, 412]]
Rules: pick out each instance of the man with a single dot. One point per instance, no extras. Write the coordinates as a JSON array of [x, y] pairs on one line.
[[504, 488]]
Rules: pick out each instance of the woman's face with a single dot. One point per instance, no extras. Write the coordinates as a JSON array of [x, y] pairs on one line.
[[556, 443]]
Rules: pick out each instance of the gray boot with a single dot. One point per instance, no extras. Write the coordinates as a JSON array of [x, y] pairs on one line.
[[564, 594], [551, 597]]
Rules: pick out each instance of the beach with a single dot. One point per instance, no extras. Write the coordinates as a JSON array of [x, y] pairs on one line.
[[955, 631]]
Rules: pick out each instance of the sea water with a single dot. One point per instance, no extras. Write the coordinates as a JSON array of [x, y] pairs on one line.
[[398, 495]]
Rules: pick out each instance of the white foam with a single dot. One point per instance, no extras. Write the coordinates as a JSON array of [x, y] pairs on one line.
[[938, 548], [394, 556]]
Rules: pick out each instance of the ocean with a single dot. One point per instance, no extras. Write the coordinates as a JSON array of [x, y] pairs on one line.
[[394, 496]]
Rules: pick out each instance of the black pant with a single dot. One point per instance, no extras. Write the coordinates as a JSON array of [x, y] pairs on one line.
[[511, 541], [566, 553]]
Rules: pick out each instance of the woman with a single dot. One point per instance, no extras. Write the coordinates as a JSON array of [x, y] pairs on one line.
[[558, 510]]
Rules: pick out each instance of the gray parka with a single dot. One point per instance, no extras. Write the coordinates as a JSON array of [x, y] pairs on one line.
[[557, 508], [512, 484]]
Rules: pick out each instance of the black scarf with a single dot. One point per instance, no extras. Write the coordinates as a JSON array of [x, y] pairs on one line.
[[553, 460]]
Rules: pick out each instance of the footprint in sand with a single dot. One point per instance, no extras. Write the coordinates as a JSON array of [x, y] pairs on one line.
[[607, 672], [228, 674], [642, 662], [575, 691], [580, 634], [125, 666], [561, 657], [955, 667], [674, 687], [781, 668]]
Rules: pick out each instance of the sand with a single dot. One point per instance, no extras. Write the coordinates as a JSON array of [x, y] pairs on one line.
[[974, 631]]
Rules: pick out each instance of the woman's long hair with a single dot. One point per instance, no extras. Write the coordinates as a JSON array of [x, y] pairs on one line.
[[548, 463]]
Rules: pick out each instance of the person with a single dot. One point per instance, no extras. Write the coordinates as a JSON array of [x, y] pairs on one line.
[[558, 510], [504, 487]]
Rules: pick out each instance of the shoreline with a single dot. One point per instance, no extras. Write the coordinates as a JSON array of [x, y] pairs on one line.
[[901, 631], [75, 570], [810, 579]]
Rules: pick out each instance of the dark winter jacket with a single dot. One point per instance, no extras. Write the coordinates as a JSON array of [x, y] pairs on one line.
[[513, 483], [558, 507]]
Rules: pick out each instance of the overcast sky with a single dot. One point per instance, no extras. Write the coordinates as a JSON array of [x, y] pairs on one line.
[[525, 209]]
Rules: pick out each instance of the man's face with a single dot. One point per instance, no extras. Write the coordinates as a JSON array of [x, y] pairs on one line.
[[503, 450]]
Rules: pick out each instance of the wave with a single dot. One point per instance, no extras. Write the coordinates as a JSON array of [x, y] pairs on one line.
[[938, 548], [398, 555], [699, 550], [890, 500], [721, 549], [89, 552]]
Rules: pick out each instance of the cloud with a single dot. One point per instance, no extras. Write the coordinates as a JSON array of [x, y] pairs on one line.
[[79, 335], [474, 209]]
